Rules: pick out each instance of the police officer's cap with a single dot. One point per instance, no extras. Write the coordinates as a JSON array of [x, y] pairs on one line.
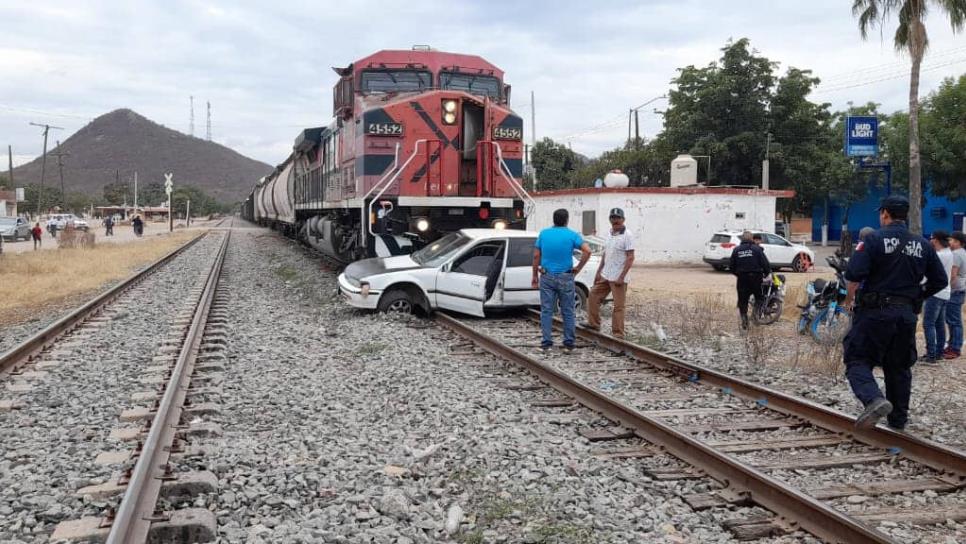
[[894, 203]]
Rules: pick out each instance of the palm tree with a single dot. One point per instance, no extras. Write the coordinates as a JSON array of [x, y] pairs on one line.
[[911, 35]]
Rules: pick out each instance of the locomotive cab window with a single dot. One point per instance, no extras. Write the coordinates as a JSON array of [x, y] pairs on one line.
[[395, 81], [472, 83]]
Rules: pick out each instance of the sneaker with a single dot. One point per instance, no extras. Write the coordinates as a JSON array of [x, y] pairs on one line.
[[927, 360], [897, 428], [546, 349], [874, 411], [951, 354], [568, 349]]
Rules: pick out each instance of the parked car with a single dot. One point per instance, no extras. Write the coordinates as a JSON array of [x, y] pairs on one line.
[[14, 228], [64, 219], [467, 271], [780, 252]]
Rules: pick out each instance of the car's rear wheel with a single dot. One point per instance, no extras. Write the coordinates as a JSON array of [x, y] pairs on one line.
[[719, 267], [397, 301], [801, 263]]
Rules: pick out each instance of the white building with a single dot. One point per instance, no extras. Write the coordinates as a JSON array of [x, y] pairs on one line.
[[669, 224], [8, 203]]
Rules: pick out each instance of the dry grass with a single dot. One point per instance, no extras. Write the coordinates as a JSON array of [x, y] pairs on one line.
[[36, 281]]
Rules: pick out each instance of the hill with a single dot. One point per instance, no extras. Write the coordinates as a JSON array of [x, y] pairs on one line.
[[126, 141]]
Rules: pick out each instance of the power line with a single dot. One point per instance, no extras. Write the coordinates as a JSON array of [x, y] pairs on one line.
[[208, 124]]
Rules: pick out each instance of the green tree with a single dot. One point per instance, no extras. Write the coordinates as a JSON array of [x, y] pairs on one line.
[[118, 193], [910, 35], [943, 123], [721, 110], [554, 163]]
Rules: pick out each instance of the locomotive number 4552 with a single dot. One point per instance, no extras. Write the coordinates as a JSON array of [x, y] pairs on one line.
[[385, 129], [506, 133]]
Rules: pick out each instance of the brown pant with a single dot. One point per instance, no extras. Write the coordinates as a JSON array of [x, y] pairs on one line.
[[597, 294]]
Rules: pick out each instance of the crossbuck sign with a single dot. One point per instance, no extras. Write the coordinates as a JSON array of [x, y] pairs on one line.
[[168, 184]]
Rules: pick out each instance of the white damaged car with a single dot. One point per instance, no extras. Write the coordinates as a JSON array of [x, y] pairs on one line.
[[467, 271]]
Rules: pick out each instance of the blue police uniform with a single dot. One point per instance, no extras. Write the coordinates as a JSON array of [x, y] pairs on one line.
[[891, 264]]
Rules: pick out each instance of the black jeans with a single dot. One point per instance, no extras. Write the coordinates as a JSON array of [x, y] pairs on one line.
[[749, 284]]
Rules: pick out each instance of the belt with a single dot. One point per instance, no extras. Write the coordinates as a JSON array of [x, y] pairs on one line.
[[545, 271]]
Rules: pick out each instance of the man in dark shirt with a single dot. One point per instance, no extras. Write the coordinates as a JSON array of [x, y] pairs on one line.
[[749, 264], [890, 265]]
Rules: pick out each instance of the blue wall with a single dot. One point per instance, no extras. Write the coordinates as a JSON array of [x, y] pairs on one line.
[[939, 213]]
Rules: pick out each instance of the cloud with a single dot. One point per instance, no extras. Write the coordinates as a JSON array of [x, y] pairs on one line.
[[265, 68]]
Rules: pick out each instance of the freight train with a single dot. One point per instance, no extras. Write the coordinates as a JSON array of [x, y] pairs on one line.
[[422, 143]]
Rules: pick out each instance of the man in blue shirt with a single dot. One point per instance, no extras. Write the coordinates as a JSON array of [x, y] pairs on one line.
[[890, 266], [553, 274]]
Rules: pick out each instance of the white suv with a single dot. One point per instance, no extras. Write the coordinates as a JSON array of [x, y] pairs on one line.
[[780, 252], [64, 219]]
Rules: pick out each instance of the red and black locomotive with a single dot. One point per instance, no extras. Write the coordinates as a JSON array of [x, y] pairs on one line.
[[423, 142]]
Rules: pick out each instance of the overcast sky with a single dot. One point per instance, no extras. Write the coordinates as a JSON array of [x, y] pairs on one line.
[[265, 67]]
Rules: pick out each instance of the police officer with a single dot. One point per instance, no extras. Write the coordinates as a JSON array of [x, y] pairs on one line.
[[890, 265], [749, 264]]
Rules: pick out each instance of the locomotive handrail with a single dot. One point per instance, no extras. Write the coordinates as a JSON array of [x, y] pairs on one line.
[[517, 188], [395, 174]]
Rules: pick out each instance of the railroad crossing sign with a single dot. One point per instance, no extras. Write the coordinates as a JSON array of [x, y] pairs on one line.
[[168, 184]]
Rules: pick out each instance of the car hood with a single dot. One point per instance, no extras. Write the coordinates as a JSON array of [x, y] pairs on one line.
[[366, 268]]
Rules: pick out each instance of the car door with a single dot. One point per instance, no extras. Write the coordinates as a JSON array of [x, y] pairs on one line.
[[467, 282], [784, 252], [517, 287]]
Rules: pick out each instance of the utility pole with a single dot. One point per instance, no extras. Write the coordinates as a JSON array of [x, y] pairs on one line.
[[10, 163], [135, 189], [187, 213], [168, 187], [43, 166], [632, 117], [637, 129], [765, 170], [60, 167], [533, 135], [208, 125], [191, 119]]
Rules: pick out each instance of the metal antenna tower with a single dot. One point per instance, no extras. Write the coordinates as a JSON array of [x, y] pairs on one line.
[[208, 125], [191, 122]]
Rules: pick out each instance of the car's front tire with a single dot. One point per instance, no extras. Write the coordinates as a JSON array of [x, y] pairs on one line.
[[801, 263], [397, 301]]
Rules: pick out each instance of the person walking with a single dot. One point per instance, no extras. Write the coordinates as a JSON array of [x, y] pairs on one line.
[[138, 225], [612, 273], [750, 265], [35, 233], [934, 311], [108, 225], [553, 274], [890, 265], [954, 306]]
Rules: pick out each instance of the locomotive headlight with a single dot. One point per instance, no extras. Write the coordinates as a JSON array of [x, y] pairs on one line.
[[449, 118], [449, 106], [422, 224]]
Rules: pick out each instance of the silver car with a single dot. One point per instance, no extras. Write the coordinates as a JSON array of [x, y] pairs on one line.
[[14, 228]]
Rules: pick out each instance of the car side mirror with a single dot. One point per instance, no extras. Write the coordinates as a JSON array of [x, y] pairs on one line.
[[446, 267]]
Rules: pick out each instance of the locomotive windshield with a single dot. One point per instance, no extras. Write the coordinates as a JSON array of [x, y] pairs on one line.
[[473, 84], [395, 81], [439, 251]]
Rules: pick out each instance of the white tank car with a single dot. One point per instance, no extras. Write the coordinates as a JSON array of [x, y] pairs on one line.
[[282, 189], [261, 213]]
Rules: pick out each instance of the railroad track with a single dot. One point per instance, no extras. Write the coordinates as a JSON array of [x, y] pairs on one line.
[[15, 359], [149, 486], [763, 448]]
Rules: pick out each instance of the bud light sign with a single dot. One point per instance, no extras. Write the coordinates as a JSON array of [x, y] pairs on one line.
[[862, 136]]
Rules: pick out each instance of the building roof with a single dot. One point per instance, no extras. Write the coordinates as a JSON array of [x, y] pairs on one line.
[[688, 190]]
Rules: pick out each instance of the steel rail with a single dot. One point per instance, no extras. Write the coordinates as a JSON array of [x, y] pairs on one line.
[[29, 348], [789, 503], [932, 454], [134, 516]]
